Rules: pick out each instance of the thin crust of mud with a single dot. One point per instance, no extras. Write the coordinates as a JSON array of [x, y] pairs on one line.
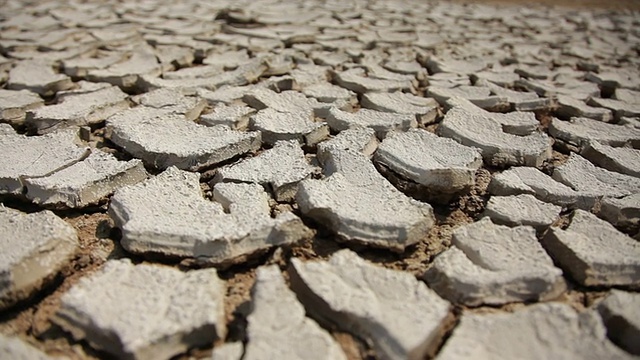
[[31, 320], [99, 240]]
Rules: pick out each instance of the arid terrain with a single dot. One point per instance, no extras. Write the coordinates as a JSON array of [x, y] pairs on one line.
[[622, 5], [320, 179]]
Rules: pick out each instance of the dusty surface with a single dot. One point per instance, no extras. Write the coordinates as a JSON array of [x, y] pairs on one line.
[[592, 52], [571, 4]]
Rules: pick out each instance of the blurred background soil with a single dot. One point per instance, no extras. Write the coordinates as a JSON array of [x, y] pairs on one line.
[[579, 4]]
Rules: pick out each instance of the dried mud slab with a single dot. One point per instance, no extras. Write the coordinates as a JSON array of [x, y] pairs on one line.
[[611, 79], [393, 310], [362, 140], [627, 95], [80, 109], [527, 180], [424, 109], [162, 138], [570, 107], [620, 312], [536, 332], [85, 182], [619, 108], [619, 159], [54, 171], [357, 81], [486, 265], [35, 247], [144, 311], [521, 123], [172, 100], [450, 65], [244, 74], [438, 164], [278, 169], [522, 209], [479, 96], [125, 74], [167, 214], [328, 93], [34, 156], [283, 102], [281, 126], [80, 66], [14, 105], [498, 148], [580, 131], [623, 212], [519, 100], [594, 252], [38, 77], [278, 327], [234, 116], [358, 204], [381, 122], [583, 176]]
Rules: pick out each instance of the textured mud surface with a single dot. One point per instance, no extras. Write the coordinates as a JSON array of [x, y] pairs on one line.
[[331, 180]]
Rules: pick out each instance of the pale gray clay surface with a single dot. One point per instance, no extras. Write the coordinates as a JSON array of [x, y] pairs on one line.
[[149, 311], [536, 332], [486, 265], [379, 179], [35, 247], [372, 302]]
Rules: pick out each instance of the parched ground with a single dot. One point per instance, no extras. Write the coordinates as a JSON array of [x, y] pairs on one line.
[[573, 4], [319, 179]]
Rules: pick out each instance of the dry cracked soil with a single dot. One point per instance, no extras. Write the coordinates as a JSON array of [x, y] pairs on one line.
[[319, 179]]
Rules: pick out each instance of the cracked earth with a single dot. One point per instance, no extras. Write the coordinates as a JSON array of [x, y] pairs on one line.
[[319, 180]]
